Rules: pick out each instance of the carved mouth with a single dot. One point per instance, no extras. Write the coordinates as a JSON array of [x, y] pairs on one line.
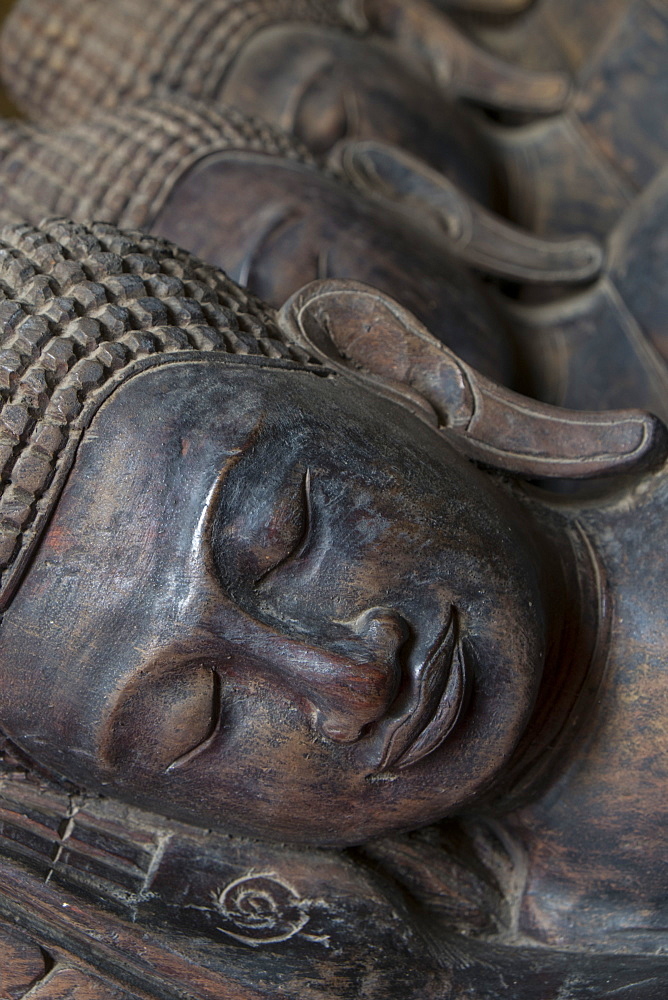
[[433, 704]]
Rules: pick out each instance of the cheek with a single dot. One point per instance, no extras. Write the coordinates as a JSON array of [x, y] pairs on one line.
[[239, 746], [377, 551]]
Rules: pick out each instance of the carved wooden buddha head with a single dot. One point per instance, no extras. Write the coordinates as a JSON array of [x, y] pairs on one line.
[[240, 588], [249, 199], [248, 588], [323, 70]]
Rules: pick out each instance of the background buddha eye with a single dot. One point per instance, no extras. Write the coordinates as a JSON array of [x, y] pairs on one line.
[[162, 717], [323, 118]]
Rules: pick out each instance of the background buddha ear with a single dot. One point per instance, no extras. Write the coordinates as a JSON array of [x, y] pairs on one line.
[[358, 330], [467, 230], [457, 64]]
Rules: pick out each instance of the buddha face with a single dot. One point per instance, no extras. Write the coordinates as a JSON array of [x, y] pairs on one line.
[[274, 603], [275, 225], [324, 86]]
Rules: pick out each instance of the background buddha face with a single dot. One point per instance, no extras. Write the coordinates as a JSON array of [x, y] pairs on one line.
[[271, 602], [324, 86], [274, 225]]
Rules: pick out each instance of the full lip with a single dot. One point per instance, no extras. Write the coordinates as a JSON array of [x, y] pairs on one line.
[[428, 711]]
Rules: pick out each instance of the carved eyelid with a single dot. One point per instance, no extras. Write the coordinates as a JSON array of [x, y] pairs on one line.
[[214, 729], [275, 222], [304, 539], [166, 715]]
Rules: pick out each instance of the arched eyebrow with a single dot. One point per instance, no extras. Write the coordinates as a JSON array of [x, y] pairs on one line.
[[314, 63]]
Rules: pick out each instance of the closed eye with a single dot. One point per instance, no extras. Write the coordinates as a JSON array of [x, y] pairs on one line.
[[303, 538], [275, 223]]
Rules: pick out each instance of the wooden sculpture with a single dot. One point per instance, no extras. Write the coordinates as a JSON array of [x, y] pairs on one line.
[[251, 200], [253, 581], [300, 65], [565, 173], [331, 666], [323, 70], [599, 346], [584, 167]]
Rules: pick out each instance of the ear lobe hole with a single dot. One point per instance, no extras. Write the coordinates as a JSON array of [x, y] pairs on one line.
[[163, 718]]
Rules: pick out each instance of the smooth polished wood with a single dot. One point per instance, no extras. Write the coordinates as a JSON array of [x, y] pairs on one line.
[[330, 667], [254, 666]]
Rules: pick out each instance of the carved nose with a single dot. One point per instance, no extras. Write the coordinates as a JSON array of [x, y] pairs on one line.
[[349, 687], [352, 695]]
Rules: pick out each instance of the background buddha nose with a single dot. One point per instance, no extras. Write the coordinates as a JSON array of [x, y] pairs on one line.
[[351, 694]]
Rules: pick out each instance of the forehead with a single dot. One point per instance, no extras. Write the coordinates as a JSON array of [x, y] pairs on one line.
[[159, 443], [165, 436], [220, 401], [217, 399], [172, 442]]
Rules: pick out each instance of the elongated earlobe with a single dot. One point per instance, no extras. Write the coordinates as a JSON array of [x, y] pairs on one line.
[[468, 231], [356, 329], [458, 65]]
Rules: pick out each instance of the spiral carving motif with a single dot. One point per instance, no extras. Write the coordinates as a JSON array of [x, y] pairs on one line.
[[260, 909]]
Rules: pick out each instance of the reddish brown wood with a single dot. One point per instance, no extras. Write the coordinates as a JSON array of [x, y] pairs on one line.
[[22, 963], [212, 686], [497, 426], [72, 984], [307, 689]]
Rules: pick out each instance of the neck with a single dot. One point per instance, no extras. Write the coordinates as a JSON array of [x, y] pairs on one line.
[[577, 613], [586, 796]]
